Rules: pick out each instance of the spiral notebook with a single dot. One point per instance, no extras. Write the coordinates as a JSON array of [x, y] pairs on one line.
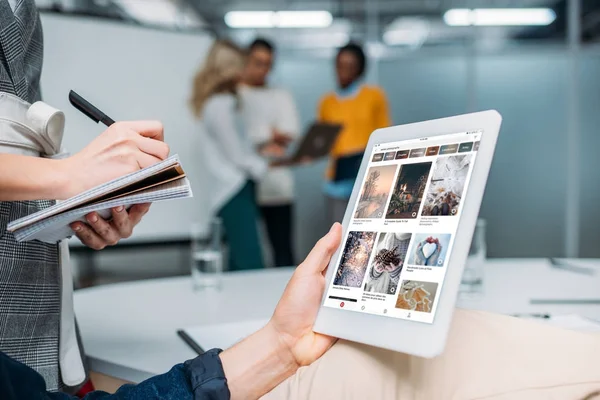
[[162, 181]]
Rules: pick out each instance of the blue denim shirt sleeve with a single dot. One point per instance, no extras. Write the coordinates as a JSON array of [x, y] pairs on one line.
[[200, 378]]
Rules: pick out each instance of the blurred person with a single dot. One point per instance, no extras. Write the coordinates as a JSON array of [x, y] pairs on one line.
[[361, 109], [272, 123], [231, 164], [37, 324]]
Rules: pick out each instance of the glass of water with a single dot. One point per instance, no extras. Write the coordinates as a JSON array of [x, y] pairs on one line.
[[207, 256], [472, 279]]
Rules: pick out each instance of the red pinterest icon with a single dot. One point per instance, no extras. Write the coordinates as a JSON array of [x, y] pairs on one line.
[[342, 304]]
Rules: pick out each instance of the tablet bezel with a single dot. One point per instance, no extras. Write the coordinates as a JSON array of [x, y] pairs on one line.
[[418, 338]]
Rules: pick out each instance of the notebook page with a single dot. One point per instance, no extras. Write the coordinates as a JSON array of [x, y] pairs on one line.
[[138, 189], [95, 192], [57, 227]]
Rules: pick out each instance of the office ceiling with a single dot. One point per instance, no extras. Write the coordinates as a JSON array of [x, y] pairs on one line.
[[365, 20]]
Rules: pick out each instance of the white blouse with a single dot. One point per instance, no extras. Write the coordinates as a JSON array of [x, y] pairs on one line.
[[265, 109], [227, 159]]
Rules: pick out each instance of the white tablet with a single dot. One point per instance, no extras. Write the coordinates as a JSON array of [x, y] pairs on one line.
[[407, 231]]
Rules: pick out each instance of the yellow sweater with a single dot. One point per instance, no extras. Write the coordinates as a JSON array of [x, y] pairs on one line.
[[360, 115]]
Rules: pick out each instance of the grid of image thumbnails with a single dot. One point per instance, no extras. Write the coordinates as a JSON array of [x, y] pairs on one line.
[[375, 261]]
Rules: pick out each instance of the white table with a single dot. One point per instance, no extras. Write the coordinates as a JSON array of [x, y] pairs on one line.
[[129, 329]]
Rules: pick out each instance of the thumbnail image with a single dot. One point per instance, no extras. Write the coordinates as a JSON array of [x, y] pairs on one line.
[[447, 185], [409, 190], [449, 149], [402, 154], [429, 249], [390, 156], [417, 296], [432, 151], [355, 258], [416, 153], [378, 157], [387, 264], [375, 192], [465, 147]]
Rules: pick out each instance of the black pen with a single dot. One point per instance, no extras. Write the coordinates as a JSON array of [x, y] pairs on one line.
[[190, 342], [88, 109]]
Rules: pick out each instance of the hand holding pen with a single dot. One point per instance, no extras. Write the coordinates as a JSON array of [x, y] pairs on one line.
[[122, 148]]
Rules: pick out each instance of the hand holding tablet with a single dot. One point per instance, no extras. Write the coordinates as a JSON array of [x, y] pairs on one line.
[[407, 230]]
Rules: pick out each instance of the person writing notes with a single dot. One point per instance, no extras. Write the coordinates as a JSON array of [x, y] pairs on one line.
[[360, 109], [272, 124], [37, 325]]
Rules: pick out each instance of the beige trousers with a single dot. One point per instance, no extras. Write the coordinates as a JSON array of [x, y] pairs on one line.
[[487, 356]]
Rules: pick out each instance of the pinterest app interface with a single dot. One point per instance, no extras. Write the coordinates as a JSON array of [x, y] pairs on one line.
[[396, 251]]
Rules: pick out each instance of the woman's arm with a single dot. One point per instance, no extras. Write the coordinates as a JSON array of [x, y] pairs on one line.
[[32, 178], [123, 148], [219, 119]]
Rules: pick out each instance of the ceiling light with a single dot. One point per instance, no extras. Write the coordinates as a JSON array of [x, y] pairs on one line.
[[411, 32], [160, 12], [303, 19], [499, 16], [250, 19], [278, 19]]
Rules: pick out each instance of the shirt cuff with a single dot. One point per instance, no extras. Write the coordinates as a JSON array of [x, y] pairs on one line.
[[207, 377]]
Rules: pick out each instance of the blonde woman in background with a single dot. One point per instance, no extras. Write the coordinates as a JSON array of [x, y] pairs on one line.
[[231, 166]]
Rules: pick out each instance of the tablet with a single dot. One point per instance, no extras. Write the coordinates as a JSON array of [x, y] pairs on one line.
[[394, 281], [317, 142]]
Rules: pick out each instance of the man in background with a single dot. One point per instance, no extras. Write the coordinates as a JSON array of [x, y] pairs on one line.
[[272, 123]]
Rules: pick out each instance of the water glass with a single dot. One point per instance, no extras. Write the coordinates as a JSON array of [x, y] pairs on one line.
[[207, 256], [472, 279]]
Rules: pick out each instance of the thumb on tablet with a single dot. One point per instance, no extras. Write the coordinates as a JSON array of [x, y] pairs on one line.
[[319, 257]]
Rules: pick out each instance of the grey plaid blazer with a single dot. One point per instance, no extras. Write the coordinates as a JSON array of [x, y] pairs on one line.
[[30, 276]]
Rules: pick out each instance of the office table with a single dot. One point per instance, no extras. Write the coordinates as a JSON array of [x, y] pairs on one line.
[[129, 329]]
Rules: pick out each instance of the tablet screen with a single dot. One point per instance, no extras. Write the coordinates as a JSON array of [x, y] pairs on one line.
[[400, 237]]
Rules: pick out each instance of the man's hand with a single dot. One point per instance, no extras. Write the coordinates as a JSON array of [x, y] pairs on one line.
[[101, 233], [281, 138], [123, 148], [297, 310], [263, 360]]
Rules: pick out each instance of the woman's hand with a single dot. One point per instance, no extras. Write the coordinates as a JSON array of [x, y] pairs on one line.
[[123, 148], [101, 233]]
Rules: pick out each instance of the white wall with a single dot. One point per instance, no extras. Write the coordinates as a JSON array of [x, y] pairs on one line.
[[139, 73], [129, 73]]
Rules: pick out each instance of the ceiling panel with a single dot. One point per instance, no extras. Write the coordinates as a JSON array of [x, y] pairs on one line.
[[365, 20]]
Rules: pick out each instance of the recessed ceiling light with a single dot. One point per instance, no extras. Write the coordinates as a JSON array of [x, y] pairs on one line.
[[499, 16], [278, 19]]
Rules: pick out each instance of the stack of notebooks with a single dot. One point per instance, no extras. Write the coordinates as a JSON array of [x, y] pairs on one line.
[[163, 181]]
